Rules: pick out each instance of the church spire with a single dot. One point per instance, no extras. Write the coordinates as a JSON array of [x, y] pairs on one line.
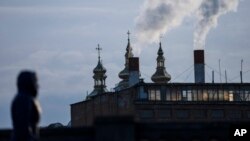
[[128, 36], [129, 52], [160, 52], [99, 76], [128, 39], [124, 74], [161, 75]]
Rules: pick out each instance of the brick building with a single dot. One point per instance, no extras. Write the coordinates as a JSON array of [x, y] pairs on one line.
[[161, 101]]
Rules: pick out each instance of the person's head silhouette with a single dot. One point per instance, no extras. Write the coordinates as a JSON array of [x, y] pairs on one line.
[[27, 83]]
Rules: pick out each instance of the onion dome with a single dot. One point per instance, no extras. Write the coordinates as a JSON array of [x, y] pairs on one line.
[[99, 68], [161, 75]]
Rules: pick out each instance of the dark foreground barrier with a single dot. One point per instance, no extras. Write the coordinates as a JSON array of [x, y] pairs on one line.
[[125, 129], [58, 134]]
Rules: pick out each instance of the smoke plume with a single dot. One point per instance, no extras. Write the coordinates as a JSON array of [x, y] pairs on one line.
[[208, 14], [157, 17]]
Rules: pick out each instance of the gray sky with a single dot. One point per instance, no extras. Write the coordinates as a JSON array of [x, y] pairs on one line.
[[58, 38]]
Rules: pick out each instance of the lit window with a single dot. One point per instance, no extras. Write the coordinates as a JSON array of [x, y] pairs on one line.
[[231, 96], [221, 95], [151, 95], [205, 95], [200, 95], [154, 94], [195, 96], [168, 95], [189, 95], [226, 95], [157, 95]]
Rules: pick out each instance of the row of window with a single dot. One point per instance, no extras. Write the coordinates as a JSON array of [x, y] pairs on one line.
[[196, 114], [174, 94]]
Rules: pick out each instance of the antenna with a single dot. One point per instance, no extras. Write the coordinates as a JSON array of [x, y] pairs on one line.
[[241, 67], [213, 76], [220, 70], [226, 76]]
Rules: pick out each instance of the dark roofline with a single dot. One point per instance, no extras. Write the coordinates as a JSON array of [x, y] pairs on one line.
[[76, 103], [91, 97], [195, 84]]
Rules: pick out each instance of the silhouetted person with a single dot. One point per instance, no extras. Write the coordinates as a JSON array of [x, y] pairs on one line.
[[25, 109]]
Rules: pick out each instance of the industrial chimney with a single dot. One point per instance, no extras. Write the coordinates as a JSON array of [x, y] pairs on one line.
[[134, 71], [199, 66]]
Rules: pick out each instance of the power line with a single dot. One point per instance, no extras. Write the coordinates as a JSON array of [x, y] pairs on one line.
[[209, 76], [189, 74], [239, 75], [183, 72]]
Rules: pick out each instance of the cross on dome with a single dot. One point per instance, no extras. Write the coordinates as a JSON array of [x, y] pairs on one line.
[[99, 51], [128, 34]]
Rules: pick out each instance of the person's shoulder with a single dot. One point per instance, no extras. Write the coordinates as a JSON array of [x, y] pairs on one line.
[[37, 105]]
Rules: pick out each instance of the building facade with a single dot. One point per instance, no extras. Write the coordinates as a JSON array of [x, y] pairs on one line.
[[161, 101], [183, 102]]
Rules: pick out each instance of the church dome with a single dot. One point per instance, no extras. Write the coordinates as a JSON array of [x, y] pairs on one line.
[[99, 68], [124, 74], [161, 75]]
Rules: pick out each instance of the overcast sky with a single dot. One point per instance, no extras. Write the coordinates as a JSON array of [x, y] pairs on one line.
[[58, 38]]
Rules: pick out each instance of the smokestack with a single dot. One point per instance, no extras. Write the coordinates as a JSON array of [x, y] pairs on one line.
[[199, 66], [134, 71]]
